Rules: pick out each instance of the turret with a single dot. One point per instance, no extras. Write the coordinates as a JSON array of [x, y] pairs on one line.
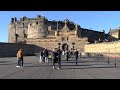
[[76, 29], [104, 34], [23, 18], [38, 16], [37, 29], [13, 20]]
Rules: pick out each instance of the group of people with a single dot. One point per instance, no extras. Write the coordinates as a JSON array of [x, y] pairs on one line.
[[56, 54], [44, 56], [71, 54], [19, 58]]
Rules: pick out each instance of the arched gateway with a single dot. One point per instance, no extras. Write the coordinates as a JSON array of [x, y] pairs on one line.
[[65, 46]]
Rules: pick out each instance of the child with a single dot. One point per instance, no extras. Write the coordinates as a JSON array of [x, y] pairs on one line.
[[50, 57]]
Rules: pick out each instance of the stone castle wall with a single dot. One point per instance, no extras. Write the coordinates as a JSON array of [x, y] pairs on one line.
[[50, 44], [107, 47], [10, 49]]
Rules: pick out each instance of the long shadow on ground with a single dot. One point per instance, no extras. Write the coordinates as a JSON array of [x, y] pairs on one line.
[[89, 67]]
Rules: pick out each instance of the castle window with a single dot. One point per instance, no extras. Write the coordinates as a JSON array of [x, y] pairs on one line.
[[25, 36], [23, 19], [67, 38], [37, 23], [23, 25]]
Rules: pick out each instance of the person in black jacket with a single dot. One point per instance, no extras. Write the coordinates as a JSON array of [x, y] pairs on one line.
[[59, 57], [76, 56], [67, 55], [55, 58], [46, 53]]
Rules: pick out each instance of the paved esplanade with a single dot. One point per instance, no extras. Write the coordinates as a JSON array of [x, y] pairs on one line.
[[87, 69]]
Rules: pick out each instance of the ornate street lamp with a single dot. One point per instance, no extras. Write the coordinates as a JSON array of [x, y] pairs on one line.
[[73, 45], [59, 45]]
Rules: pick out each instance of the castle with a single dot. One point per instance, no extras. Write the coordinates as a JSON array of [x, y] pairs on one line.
[[51, 34]]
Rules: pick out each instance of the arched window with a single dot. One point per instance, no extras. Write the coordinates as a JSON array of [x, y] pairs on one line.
[[37, 23], [25, 36], [67, 38], [23, 25], [23, 19]]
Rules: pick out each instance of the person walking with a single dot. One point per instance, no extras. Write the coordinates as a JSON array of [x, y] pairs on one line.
[[46, 56], [67, 55], [41, 57], [55, 58], [76, 56], [18, 61], [50, 56], [20, 57], [59, 58]]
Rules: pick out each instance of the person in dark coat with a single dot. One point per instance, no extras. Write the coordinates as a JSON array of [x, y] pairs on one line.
[[76, 56], [46, 53], [67, 55], [59, 57], [55, 58], [43, 55]]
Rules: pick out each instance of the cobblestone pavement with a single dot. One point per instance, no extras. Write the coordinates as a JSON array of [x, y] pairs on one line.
[[87, 68]]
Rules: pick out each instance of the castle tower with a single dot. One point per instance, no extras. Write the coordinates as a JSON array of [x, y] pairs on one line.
[[104, 35], [38, 29], [18, 30], [12, 32], [76, 29]]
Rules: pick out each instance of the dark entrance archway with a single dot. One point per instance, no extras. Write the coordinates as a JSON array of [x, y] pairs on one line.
[[64, 47]]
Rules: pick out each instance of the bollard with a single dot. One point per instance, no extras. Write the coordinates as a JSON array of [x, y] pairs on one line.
[[115, 61], [108, 60]]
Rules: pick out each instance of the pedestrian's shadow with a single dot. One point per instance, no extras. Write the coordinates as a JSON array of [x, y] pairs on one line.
[[7, 63], [39, 66], [4, 61], [84, 61], [83, 64], [90, 67]]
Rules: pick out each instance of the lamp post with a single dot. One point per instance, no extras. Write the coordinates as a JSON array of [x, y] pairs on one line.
[[59, 45], [73, 45]]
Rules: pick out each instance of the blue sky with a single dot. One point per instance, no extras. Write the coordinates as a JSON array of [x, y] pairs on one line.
[[97, 20]]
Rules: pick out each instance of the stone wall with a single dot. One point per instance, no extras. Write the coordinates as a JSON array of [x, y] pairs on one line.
[[50, 44], [10, 49], [106, 47]]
